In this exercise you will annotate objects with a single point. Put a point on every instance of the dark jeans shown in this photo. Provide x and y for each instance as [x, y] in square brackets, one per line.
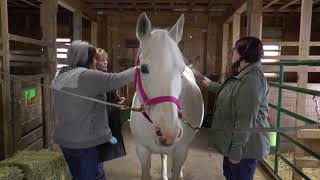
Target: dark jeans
[242, 171]
[83, 163]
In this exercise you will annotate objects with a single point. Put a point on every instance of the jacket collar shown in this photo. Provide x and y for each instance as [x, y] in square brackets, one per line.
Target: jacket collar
[247, 69]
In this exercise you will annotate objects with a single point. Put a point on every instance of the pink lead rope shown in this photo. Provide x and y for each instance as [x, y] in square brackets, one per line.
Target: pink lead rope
[145, 98]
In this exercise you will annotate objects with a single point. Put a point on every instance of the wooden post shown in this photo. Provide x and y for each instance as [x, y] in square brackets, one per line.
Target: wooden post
[225, 52]
[304, 47]
[236, 28]
[48, 17]
[6, 136]
[212, 43]
[254, 18]
[77, 25]
[94, 34]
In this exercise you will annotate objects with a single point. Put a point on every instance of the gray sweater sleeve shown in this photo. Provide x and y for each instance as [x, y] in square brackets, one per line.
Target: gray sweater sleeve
[96, 82]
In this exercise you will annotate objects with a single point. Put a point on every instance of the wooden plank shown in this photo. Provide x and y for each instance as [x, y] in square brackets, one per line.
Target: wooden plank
[26, 52]
[254, 18]
[236, 28]
[238, 6]
[289, 4]
[30, 3]
[1, 53]
[307, 162]
[94, 34]
[28, 40]
[293, 57]
[30, 138]
[26, 58]
[291, 69]
[270, 4]
[6, 124]
[302, 79]
[281, 43]
[30, 125]
[36, 145]
[48, 15]
[77, 26]
[212, 44]
[225, 52]
[76, 5]
[309, 134]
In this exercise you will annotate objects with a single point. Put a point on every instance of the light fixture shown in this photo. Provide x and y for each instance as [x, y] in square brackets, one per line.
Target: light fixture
[62, 56]
[190, 37]
[62, 50]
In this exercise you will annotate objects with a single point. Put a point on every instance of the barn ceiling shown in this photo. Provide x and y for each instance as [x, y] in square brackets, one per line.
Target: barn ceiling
[213, 7]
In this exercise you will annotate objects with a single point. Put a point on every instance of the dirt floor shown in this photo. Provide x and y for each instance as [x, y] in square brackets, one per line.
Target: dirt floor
[200, 165]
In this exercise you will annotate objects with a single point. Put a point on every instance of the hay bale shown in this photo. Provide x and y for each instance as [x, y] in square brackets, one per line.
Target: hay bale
[41, 165]
[10, 172]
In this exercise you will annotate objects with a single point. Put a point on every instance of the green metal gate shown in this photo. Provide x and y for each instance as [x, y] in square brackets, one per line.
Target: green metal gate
[281, 110]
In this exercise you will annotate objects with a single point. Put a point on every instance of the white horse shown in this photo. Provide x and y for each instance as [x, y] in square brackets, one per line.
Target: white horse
[164, 74]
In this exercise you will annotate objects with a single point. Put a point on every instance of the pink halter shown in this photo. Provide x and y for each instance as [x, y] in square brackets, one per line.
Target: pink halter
[145, 98]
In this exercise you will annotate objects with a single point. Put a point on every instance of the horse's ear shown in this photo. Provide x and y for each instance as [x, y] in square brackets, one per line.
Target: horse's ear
[177, 30]
[143, 29]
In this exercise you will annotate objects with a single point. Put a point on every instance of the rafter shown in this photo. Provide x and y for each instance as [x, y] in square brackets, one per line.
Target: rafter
[270, 4]
[30, 3]
[211, 3]
[314, 2]
[289, 4]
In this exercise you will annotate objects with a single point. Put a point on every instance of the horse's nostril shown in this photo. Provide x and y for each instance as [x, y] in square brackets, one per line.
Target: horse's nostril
[158, 132]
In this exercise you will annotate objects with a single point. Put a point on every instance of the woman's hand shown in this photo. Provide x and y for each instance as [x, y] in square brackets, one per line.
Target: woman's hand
[121, 100]
[234, 161]
[205, 82]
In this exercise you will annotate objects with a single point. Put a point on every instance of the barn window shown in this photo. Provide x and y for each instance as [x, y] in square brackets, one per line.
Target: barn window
[62, 50]
[271, 50]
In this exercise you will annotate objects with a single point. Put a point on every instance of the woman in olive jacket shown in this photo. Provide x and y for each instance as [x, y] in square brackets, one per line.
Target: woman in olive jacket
[242, 103]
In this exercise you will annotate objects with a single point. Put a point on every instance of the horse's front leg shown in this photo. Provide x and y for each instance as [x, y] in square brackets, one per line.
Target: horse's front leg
[144, 156]
[179, 158]
[164, 162]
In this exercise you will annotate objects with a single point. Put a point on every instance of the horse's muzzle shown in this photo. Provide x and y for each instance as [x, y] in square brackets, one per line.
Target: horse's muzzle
[167, 140]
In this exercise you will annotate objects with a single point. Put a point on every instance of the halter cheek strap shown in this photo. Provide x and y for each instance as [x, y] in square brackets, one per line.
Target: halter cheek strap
[145, 99]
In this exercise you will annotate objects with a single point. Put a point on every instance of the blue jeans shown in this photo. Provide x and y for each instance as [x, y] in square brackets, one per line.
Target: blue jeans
[83, 163]
[243, 171]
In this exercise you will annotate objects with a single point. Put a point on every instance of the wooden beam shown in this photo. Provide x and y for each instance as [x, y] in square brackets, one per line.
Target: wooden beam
[291, 68]
[25, 58]
[28, 40]
[270, 4]
[292, 57]
[211, 3]
[30, 3]
[289, 4]
[304, 48]
[238, 6]
[212, 43]
[314, 2]
[48, 16]
[236, 28]
[254, 18]
[225, 52]
[6, 141]
[77, 26]
[309, 134]
[76, 5]
[289, 43]
[94, 34]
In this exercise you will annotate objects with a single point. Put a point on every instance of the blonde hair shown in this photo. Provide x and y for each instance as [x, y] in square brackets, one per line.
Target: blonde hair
[101, 53]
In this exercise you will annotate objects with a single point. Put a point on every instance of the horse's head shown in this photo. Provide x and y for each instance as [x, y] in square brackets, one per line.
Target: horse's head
[162, 66]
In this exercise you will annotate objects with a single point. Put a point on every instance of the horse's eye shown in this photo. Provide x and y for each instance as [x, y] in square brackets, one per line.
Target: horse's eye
[144, 69]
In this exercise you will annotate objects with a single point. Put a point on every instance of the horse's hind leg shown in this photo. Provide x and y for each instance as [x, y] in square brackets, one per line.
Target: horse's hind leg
[144, 156]
[179, 158]
[164, 172]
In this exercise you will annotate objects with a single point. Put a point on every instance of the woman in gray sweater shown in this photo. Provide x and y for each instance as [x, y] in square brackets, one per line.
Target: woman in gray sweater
[82, 125]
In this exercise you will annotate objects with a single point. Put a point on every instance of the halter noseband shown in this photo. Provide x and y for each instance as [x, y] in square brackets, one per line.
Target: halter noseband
[150, 101]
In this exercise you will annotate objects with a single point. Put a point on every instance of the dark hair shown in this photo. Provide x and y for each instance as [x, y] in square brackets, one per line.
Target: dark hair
[250, 49]
[91, 54]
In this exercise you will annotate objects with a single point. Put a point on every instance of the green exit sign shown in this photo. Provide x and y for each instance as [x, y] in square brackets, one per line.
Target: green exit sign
[29, 96]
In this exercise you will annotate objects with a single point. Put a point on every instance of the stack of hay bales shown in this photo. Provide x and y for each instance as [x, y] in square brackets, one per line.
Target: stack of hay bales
[11, 173]
[40, 165]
